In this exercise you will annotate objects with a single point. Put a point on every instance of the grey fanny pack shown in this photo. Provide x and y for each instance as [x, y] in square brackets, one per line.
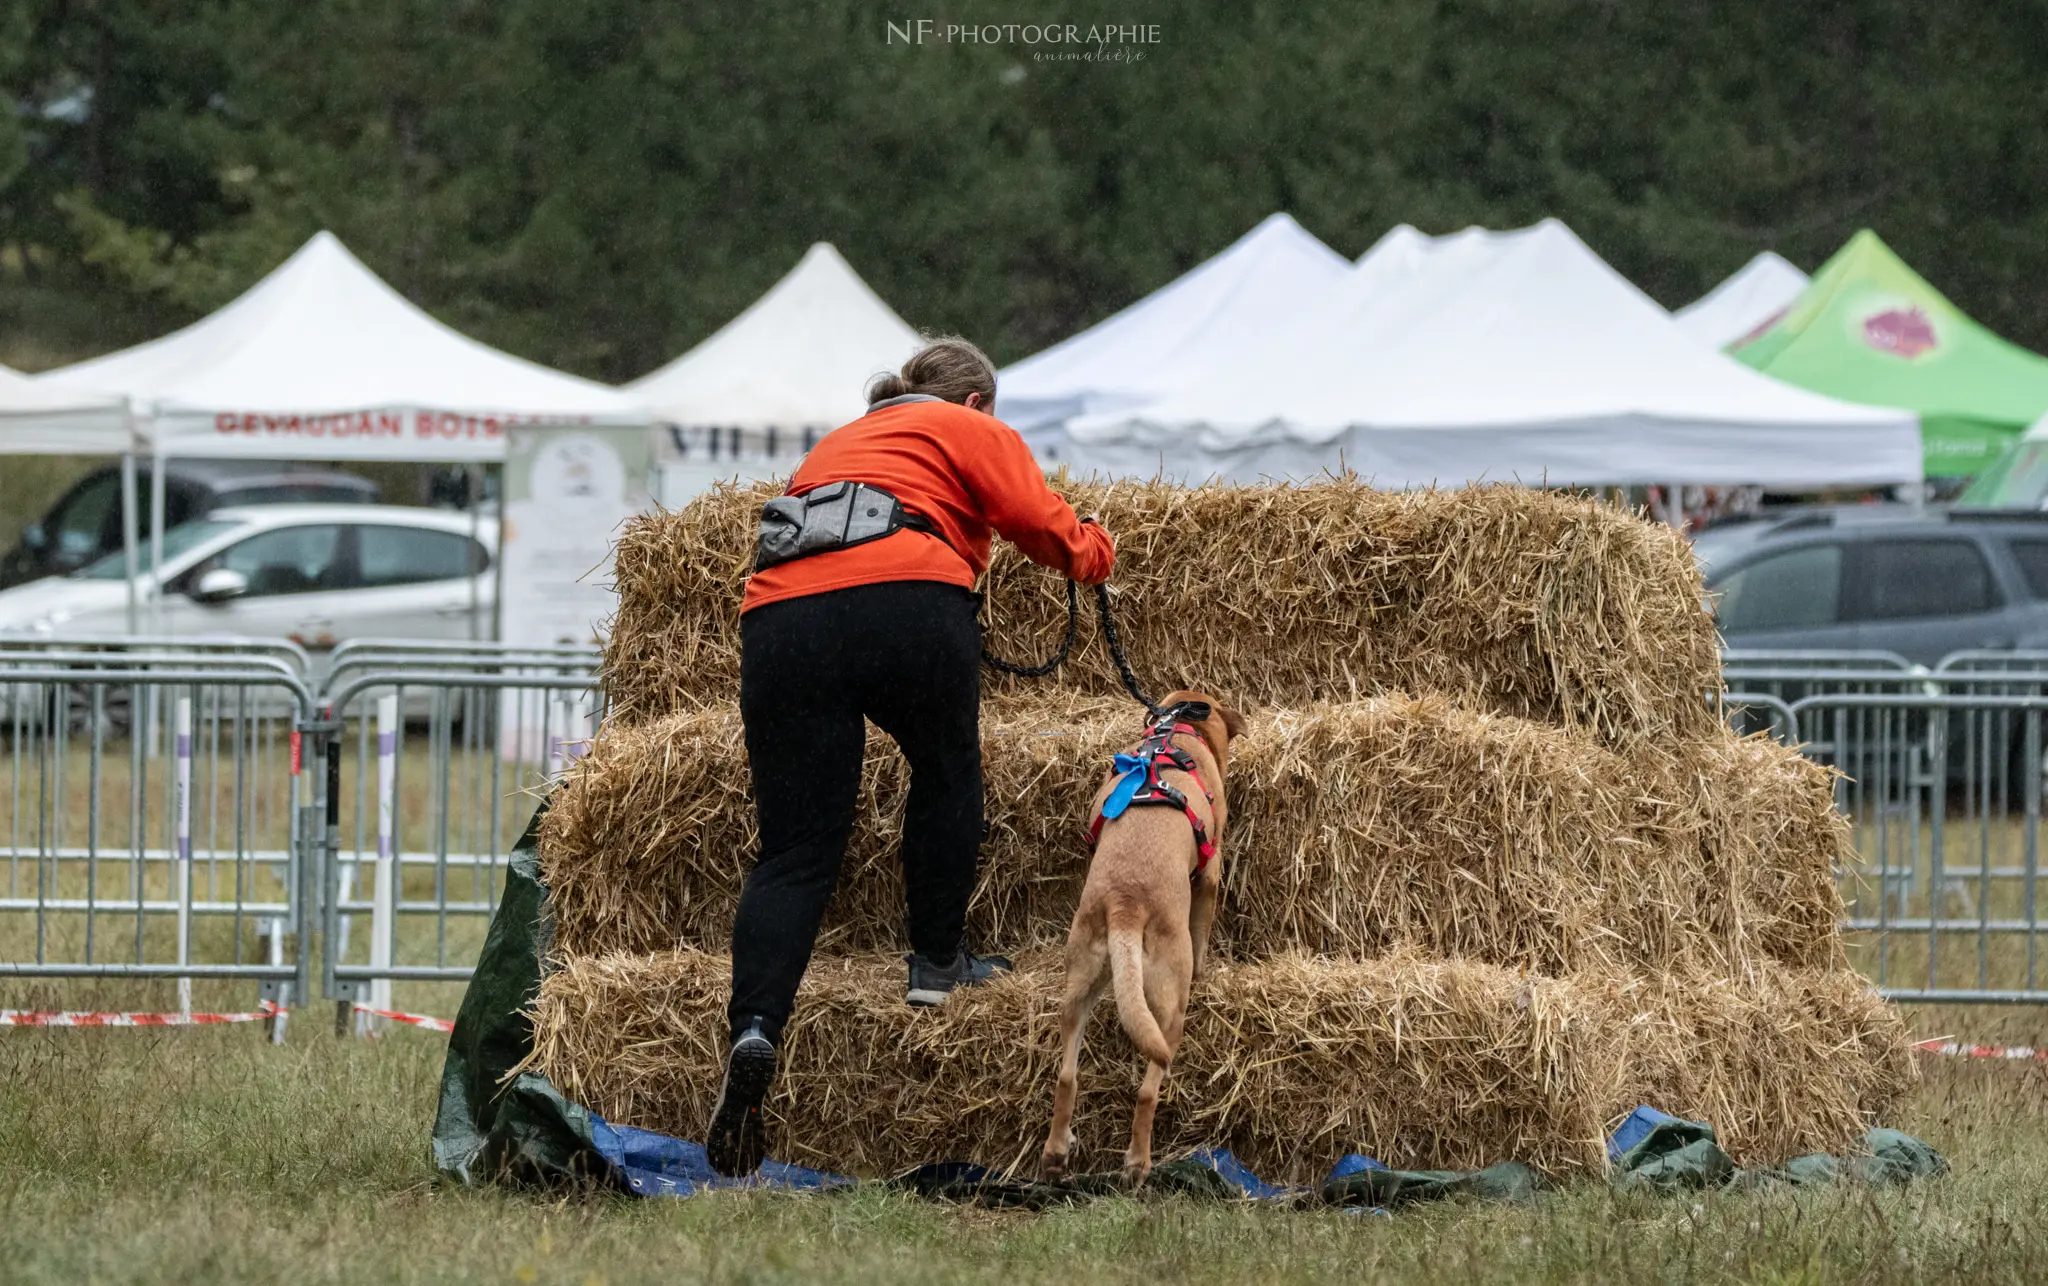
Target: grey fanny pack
[838, 515]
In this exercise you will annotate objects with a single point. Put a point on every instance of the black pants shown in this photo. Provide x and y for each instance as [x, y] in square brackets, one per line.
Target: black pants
[906, 654]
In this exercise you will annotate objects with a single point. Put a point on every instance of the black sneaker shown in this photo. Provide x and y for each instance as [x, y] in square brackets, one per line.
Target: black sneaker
[736, 1141]
[930, 983]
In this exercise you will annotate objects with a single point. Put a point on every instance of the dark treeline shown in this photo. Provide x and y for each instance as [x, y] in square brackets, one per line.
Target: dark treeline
[600, 183]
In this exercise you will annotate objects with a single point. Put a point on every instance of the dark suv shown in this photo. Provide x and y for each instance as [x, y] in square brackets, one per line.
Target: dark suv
[86, 524]
[1921, 584]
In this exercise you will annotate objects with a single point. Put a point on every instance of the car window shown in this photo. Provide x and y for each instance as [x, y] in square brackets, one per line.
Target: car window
[86, 518]
[1789, 590]
[1717, 545]
[295, 493]
[1905, 579]
[177, 540]
[287, 560]
[409, 555]
[2032, 556]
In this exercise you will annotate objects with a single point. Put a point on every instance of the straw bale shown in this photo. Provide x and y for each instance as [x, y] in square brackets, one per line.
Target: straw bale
[1781, 1061]
[1355, 828]
[646, 845]
[1289, 1062]
[1536, 604]
[1773, 842]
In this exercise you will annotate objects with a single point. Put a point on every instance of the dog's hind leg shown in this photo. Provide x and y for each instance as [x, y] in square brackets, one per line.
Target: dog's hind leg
[1138, 1158]
[1202, 916]
[1087, 979]
[1168, 969]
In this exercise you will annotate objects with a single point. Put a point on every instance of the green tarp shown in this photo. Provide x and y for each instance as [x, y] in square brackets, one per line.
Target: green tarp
[1869, 329]
[1684, 1155]
[486, 1131]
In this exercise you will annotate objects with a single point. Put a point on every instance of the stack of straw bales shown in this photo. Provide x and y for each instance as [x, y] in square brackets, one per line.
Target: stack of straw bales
[1496, 873]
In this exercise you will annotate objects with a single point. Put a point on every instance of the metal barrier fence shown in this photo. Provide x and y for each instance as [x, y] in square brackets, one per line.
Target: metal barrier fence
[1941, 778]
[429, 774]
[152, 823]
[209, 815]
[1942, 790]
[215, 812]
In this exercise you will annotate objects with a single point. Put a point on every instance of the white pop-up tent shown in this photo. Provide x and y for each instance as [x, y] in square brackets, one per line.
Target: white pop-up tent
[39, 417]
[1404, 253]
[1747, 301]
[322, 360]
[1513, 356]
[749, 400]
[1167, 338]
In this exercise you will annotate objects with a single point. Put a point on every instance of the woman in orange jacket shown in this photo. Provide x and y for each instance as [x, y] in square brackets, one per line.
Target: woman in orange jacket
[862, 608]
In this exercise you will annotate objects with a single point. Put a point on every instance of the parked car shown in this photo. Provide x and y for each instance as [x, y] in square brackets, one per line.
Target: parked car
[1922, 585]
[1720, 542]
[85, 525]
[318, 574]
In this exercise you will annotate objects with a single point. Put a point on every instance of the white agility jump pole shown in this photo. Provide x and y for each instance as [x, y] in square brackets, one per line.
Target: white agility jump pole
[181, 728]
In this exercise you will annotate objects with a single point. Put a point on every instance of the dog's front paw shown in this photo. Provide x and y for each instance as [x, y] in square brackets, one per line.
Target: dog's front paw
[1136, 1172]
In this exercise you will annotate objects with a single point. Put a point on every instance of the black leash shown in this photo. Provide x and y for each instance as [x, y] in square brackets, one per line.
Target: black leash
[995, 662]
[1109, 636]
[1116, 650]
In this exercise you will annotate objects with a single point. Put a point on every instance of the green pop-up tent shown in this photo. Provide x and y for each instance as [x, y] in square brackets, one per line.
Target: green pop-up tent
[1870, 329]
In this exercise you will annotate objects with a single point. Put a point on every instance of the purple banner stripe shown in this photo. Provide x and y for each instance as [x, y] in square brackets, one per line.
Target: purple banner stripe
[387, 743]
[184, 750]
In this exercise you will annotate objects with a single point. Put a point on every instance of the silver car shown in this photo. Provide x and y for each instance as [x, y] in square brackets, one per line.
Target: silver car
[316, 574]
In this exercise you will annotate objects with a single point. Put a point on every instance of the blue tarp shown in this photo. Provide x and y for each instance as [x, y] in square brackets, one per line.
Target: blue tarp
[1634, 1129]
[655, 1165]
[1648, 1149]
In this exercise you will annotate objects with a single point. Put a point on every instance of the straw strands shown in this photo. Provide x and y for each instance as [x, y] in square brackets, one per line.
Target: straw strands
[1772, 837]
[1289, 1061]
[1549, 607]
[1355, 828]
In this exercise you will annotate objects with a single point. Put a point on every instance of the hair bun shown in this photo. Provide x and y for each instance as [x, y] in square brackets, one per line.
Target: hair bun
[884, 387]
[947, 367]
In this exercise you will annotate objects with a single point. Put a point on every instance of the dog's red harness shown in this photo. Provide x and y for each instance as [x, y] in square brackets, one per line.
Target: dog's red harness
[1141, 785]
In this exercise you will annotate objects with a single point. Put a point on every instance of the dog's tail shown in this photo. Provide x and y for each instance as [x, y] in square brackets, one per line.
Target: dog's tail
[1127, 978]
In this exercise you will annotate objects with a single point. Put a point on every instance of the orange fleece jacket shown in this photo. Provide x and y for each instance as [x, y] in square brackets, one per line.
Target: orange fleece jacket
[965, 471]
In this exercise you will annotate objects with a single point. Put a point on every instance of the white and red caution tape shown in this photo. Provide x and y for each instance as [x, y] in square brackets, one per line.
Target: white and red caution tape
[1956, 1049]
[88, 1018]
[425, 1021]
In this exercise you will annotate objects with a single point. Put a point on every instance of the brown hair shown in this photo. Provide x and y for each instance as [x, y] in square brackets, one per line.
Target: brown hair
[947, 367]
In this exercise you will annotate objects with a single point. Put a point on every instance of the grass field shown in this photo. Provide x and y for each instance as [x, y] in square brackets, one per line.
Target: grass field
[207, 1156]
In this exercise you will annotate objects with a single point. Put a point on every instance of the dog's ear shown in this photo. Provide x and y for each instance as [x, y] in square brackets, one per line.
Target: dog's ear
[1233, 722]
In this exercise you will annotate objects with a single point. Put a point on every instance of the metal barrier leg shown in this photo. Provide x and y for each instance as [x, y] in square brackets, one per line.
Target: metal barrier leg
[182, 869]
[383, 893]
[330, 884]
[278, 994]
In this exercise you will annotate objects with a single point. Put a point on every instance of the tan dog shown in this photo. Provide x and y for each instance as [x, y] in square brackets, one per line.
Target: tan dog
[1142, 928]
